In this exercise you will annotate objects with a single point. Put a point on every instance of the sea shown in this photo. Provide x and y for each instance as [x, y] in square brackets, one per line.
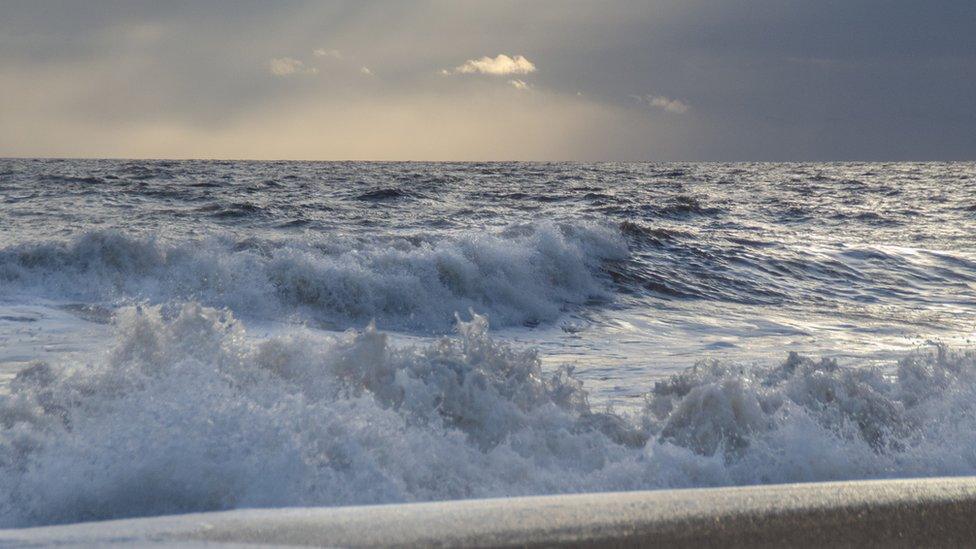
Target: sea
[181, 336]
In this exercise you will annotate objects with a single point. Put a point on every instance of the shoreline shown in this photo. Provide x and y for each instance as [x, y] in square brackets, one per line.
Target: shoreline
[900, 512]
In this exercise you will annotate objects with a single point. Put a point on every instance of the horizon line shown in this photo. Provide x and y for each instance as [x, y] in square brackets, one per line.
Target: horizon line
[493, 161]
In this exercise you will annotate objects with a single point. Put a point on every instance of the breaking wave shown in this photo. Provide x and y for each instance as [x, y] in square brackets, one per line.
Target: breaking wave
[187, 412]
[524, 274]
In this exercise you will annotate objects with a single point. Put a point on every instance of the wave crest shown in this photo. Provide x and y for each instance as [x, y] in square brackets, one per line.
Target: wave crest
[524, 274]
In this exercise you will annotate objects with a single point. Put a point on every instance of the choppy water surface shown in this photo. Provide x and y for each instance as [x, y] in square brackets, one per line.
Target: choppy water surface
[181, 336]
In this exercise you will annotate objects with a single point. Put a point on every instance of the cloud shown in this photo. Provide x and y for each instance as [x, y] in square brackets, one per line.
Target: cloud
[519, 84]
[322, 52]
[676, 106]
[499, 65]
[288, 66]
[365, 71]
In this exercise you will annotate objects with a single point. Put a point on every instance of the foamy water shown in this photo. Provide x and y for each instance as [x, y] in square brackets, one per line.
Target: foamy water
[188, 336]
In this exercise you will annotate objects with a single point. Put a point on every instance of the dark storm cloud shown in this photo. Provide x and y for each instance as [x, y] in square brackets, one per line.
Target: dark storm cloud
[744, 80]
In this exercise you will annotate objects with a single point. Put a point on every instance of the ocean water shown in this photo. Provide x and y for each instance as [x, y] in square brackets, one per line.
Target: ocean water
[204, 335]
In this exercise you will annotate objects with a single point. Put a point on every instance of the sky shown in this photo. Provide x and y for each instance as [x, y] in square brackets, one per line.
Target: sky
[489, 80]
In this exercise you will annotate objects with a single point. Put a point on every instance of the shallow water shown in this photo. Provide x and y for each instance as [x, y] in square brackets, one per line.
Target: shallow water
[180, 336]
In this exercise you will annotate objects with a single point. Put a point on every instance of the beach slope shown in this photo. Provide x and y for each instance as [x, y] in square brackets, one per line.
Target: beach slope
[910, 512]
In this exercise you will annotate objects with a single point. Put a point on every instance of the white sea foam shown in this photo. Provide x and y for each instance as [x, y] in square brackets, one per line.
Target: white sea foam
[188, 412]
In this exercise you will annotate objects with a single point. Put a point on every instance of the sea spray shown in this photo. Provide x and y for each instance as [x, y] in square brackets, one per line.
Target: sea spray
[189, 412]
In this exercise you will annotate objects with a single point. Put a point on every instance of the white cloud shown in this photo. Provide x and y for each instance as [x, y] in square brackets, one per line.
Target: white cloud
[288, 66]
[322, 52]
[499, 65]
[365, 71]
[676, 106]
[519, 84]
